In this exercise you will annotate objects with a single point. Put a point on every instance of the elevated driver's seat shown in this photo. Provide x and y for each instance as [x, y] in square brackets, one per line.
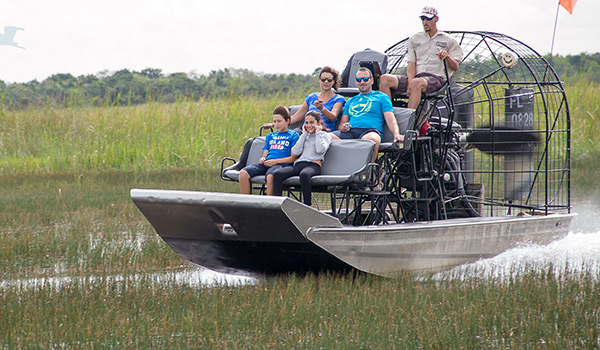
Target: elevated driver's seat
[374, 60]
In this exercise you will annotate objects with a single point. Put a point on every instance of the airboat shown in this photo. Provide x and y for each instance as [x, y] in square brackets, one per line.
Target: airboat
[490, 172]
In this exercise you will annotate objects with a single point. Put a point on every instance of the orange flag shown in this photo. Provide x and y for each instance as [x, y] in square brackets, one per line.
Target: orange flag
[568, 5]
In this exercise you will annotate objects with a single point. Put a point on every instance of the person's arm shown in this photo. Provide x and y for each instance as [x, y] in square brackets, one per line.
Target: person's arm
[451, 63]
[333, 114]
[392, 124]
[323, 140]
[299, 146]
[264, 157]
[411, 71]
[286, 160]
[293, 139]
[300, 113]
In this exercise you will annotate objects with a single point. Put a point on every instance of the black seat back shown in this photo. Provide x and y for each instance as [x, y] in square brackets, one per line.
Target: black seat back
[366, 58]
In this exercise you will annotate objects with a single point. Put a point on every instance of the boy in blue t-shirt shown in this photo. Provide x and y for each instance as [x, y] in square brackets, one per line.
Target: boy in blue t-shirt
[277, 152]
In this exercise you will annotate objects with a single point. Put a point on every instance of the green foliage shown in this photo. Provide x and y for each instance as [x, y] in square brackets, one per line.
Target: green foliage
[189, 133]
[572, 68]
[193, 134]
[126, 87]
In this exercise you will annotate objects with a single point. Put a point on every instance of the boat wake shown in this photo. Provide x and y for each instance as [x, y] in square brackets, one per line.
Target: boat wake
[196, 278]
[578, 253]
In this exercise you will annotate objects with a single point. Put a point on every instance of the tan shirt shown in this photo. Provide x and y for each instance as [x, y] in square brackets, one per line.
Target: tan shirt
[422, 50]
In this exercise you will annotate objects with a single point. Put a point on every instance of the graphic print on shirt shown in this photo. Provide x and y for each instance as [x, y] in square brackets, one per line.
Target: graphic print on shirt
[360, 107]
[279, 142]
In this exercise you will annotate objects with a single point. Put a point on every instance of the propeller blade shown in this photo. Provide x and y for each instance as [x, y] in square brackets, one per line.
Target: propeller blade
[503, 140]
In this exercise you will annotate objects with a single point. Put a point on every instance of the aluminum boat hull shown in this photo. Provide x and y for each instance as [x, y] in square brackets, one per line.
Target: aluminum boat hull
[263, 235]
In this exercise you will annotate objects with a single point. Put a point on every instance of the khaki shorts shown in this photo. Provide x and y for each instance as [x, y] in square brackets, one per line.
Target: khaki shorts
[434, 83]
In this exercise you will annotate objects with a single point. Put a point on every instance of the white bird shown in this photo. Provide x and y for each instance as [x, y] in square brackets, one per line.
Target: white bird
[8, 36]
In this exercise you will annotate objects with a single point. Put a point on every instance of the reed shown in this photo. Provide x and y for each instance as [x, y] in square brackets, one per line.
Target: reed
[584, 106]
[345, 312]
[193, 134]
[83, 269]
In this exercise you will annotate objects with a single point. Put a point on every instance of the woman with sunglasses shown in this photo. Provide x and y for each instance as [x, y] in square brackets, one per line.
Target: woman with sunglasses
[327, 102]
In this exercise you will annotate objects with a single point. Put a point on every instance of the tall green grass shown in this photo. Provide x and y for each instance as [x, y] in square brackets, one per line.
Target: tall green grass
[584, 105]
[193, 134]
[541, 311]
[186, 134]
[74, 225]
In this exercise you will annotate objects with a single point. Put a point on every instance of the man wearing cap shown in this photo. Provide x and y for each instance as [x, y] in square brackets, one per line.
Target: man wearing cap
[427, 52]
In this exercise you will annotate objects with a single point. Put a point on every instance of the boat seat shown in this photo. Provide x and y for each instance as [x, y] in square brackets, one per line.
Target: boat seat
[403, 118]
[346, 162]
[251, 153]
[296, 126]
[376, 61]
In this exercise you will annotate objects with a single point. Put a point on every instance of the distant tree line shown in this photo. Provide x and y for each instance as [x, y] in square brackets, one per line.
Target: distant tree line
[576, 67]
[125, 87]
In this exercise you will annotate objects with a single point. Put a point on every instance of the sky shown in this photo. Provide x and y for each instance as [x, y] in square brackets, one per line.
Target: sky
[265, 36]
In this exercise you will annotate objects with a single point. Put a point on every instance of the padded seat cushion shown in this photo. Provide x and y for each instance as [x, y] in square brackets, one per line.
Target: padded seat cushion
[345, 162]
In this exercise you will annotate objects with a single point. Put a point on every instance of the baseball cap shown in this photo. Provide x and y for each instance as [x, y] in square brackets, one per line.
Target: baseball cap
[428, 11]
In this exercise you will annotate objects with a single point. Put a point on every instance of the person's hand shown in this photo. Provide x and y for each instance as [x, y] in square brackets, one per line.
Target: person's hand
[270, 162]
[399, 138]
[261, 160]
[319, 105]
[305, 129]
[318, 128]
[442, 54]
[268, 126]
[345, 127]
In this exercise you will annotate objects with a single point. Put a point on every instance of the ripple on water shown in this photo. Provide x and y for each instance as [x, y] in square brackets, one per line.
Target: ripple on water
[576, 253]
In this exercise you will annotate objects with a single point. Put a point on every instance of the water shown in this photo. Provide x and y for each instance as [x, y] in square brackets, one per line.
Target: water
[195, 277]
[577, 253]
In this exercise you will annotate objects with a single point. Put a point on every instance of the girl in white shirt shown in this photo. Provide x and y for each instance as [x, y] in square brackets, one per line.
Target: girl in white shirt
[310, 150]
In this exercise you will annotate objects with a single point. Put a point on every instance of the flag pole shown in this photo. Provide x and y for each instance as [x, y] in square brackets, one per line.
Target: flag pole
[554, 33]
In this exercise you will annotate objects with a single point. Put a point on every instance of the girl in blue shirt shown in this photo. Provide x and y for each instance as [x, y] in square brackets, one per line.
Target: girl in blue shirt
[277, 152]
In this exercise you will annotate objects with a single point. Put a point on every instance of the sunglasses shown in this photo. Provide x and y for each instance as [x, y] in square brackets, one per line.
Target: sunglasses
[365, 79]
[329, 80]
[423, 18]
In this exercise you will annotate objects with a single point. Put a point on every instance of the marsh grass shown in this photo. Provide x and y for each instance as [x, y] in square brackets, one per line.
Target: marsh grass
[84, 223]
[540, 311]
[584, 105]
[192, 134]
[92, 236]
[65, 212]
